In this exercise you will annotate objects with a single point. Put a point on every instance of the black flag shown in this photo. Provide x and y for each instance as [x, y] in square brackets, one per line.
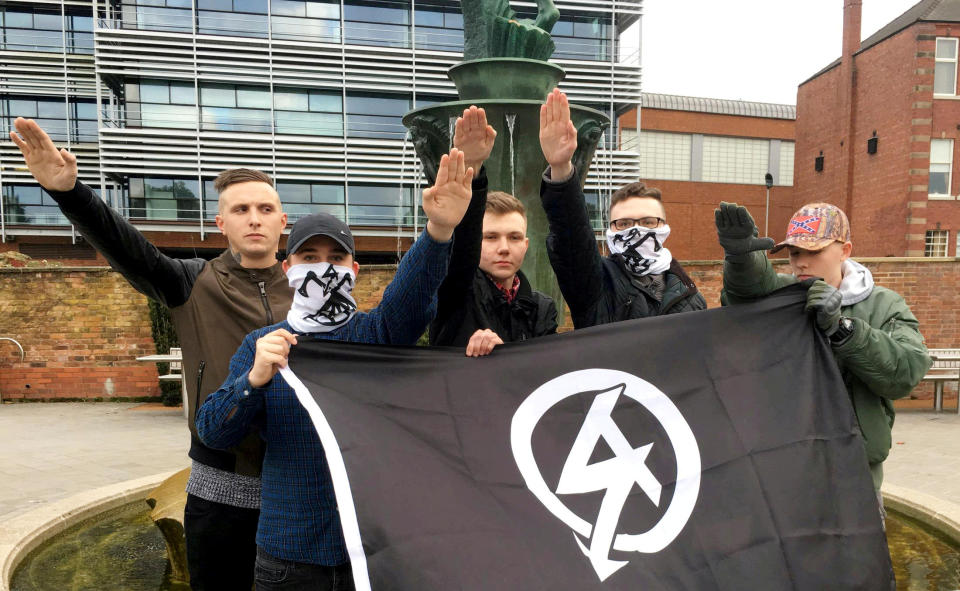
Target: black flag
[700, 451]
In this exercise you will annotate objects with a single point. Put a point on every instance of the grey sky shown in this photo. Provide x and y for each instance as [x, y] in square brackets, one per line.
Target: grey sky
[755, 50]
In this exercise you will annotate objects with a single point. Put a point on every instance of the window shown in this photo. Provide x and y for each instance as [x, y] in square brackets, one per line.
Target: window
[581, 37]
[308, 112]
[941, 163]
[787, 154]
[307, 21]
[381, 205]
[301, 199]
[161, 103]
[439, 28]
[935, 244]
[36, 29]
[164, 199]
[384, 23]
[78, 118]
[228, 107]
[241, 18]
[945, 73]
[376, 116]
[664, 155]
[29, 204]
[735, 160]
[158, 15]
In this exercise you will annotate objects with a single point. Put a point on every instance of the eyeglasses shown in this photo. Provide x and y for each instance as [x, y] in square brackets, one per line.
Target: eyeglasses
[649, 222]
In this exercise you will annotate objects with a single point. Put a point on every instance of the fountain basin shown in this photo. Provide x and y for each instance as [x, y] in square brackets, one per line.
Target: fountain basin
[22, 534]
[517, 78]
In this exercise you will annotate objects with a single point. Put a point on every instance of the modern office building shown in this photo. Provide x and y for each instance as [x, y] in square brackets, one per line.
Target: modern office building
[156, 97]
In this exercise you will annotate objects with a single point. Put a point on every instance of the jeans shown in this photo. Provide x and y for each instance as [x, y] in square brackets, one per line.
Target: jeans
[221, 545]
[276, 574]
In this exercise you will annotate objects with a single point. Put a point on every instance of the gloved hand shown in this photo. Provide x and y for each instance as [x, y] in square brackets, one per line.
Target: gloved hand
[736, 231]
[824, 301]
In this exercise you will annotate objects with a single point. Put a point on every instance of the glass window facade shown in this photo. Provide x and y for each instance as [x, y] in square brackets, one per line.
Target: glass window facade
[384, 23]
[308, 112]
[305, 21]
[376, 116]
[157, 198]
[24, 28]
[239, 18]
[380, 205]
[301, 198]
[29, 204]
[161, 103]
[439, 28]
[52, 115]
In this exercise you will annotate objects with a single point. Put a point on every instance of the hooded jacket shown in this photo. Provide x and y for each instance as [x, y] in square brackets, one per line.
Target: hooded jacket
[883, 360]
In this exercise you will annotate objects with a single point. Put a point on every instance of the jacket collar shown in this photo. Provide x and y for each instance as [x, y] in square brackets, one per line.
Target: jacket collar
[228, 263]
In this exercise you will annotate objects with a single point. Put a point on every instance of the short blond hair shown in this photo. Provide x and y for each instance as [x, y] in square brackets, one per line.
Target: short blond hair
[502, 203]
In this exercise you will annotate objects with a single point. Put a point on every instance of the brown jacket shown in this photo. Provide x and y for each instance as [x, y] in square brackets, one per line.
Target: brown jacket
[214, 306]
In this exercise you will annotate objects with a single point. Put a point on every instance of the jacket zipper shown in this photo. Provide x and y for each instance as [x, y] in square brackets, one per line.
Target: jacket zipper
[266, 303]
[196, 403]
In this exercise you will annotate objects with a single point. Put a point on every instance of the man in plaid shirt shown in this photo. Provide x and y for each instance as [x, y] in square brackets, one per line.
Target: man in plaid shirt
[299, 538]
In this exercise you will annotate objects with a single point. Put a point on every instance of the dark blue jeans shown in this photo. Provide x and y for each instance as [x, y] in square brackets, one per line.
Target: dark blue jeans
[276, 574]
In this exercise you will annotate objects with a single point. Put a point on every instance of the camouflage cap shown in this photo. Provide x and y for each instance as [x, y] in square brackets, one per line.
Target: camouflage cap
[816, 226]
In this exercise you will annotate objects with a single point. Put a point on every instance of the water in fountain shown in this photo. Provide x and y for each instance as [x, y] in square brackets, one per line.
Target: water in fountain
[511, 122]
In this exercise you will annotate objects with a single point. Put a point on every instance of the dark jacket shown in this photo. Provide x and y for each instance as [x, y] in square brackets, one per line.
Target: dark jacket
[600, 289]
[213, 305]
[468, 300]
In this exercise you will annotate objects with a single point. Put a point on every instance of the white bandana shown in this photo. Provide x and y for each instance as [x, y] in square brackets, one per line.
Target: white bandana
[642, 249]
[321, 300]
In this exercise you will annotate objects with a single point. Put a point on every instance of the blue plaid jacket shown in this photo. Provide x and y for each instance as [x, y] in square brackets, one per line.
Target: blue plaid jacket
[298, 512]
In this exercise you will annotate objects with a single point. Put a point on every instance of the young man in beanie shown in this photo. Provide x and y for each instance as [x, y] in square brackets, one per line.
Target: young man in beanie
[640, 278]
[486, 299]
[873, 334]
[299, 539]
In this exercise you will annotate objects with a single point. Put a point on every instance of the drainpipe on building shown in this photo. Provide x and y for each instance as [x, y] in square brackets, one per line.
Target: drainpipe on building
[852, 13]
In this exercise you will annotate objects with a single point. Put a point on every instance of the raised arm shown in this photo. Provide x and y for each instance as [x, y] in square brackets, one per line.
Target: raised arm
[409, 302]
[571, 243]
[747, 272]
[475, 138]
[152, 273]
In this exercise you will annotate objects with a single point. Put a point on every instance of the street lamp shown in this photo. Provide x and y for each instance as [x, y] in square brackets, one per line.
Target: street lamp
[768, 180]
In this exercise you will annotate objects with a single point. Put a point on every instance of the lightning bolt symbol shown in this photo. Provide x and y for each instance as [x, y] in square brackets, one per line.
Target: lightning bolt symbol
[615, 475]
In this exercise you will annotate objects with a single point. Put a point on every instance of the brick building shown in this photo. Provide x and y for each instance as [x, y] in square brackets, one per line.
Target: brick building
[876, 131]
[700, 151]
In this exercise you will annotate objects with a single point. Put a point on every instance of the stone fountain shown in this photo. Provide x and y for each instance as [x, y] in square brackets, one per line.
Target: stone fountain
[505, 71]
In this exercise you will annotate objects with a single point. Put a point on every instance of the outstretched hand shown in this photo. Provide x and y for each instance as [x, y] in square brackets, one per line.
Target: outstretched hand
[736, 231]
[558, 136]
[446, 201]
[474, 137]
[55, 170]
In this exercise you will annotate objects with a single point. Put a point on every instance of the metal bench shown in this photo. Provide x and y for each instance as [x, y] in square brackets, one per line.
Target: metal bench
[946, 368]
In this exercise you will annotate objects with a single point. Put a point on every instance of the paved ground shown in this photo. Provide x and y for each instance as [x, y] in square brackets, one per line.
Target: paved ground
[926, 454]
[51, 451]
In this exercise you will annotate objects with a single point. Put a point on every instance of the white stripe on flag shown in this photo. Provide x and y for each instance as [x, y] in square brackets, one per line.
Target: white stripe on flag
[341, 482]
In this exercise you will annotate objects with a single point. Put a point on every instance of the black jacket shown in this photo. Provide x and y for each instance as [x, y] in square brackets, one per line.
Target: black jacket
[214, 305]
[468, 300]
[598, 289]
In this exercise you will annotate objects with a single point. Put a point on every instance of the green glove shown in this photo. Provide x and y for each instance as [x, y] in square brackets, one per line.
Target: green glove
[736, 231]
[824, 301]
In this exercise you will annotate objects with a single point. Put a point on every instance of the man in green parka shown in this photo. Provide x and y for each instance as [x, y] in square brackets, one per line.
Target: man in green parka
[874, 336]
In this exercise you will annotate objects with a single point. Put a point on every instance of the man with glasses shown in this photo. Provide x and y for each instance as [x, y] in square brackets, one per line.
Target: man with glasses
[640, 278]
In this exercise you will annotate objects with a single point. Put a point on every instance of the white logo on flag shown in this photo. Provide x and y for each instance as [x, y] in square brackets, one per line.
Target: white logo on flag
[616, 475]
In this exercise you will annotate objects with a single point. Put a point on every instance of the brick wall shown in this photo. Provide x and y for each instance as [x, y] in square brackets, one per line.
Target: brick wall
[82, 328]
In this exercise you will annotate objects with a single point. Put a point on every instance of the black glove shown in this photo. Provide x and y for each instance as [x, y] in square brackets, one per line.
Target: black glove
[824, 301]
[736, 231]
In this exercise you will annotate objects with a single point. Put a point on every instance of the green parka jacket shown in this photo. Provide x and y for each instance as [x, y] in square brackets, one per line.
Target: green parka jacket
[884, 358]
